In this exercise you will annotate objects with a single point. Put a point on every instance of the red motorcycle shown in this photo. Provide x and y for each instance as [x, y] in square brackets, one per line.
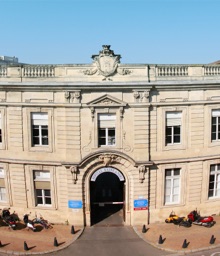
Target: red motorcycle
[8, 218]
[195, 218]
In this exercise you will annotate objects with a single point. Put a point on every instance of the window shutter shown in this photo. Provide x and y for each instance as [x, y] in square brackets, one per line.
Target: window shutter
[0, 120]
[106, 121]
[39, 118]
[2, 183]
[42, 185]
[216, 112]
[173, 118]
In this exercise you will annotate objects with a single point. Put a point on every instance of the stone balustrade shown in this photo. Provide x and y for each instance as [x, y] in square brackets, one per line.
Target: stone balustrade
[163, 71]
[3, 71]
[38, 71]
[62, 72]
[211, 70]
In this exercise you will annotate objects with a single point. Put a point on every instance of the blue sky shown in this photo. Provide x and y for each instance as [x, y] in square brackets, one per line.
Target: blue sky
[141, 31]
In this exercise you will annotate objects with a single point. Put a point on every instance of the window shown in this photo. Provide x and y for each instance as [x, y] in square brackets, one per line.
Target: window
[39, 129]
[106, 129]
[2, 186]
[215, 125]
[172, 186]
[2, 194]
[42, 188]
[173, 128]
[214, 181]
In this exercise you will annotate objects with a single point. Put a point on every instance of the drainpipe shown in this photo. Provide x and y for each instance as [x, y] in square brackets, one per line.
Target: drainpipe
[149, 156]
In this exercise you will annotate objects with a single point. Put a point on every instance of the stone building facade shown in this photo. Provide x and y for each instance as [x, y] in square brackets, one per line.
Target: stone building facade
[76, 138]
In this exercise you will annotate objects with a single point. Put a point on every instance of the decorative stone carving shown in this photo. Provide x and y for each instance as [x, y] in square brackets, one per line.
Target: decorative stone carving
[123, 71]
[141, 96]
[136, 95]
[74, 172]
[106, 64]
[121, 109]
[108, 159]
[142, 171]
[92, 112]
[126, 147]
[67, 95]
[76, 96]
[87, 148]
[72, 96]
[145, 96]
[106, 102]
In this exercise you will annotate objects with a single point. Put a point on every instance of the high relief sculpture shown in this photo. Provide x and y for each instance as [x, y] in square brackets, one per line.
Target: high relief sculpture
[106, 64]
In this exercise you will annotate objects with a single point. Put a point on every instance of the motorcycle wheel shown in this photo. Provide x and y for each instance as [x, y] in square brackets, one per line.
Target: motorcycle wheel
[208, 225]
[185, 224]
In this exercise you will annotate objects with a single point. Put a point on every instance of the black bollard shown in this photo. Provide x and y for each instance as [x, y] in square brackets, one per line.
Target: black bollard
[144, 230]
[55, 243]
[72, 230]
[212, 240]
[25, 246]
[185, 244]
[160, 241]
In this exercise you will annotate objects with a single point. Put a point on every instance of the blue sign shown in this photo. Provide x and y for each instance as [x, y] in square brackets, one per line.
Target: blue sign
[75, 204]
[140, 203]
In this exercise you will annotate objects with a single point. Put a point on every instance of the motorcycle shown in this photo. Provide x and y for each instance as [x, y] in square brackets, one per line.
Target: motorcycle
[8, 218]
[29, 223]
[196, 219]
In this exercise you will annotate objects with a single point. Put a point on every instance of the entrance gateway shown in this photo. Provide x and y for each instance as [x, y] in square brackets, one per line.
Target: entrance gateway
[107, 197]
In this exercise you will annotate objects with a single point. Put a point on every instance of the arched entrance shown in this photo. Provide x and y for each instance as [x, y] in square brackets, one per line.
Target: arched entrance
[107, 197]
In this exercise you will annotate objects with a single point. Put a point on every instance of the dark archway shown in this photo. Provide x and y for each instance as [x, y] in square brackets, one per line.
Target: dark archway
[107, 197]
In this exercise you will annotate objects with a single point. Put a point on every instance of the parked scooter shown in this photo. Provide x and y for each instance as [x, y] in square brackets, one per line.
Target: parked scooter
[206, 221]
[40, 220]
[8, 218]
[175, 219]
[29, 223]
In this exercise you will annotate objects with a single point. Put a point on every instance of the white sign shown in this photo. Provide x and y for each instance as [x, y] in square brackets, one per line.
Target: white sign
[107, 169]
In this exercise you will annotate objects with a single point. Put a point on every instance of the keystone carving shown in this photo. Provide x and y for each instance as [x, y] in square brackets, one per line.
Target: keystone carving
[108, 159]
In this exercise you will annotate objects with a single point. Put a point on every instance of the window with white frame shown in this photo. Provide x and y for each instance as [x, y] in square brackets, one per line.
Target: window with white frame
[106, 129]
[214, 181]
[39, 129]
[215, 133]
[2, 186]
[172, 186]
[42, 188]
[173, 127]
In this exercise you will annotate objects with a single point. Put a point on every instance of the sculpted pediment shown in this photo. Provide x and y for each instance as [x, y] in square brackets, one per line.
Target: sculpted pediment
[106, 100]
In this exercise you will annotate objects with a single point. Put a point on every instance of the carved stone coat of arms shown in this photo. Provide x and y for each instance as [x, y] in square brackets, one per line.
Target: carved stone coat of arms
[106, 63]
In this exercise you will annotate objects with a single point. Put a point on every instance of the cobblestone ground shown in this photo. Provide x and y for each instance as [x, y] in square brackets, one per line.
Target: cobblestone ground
[173, 235]
[39, 241]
